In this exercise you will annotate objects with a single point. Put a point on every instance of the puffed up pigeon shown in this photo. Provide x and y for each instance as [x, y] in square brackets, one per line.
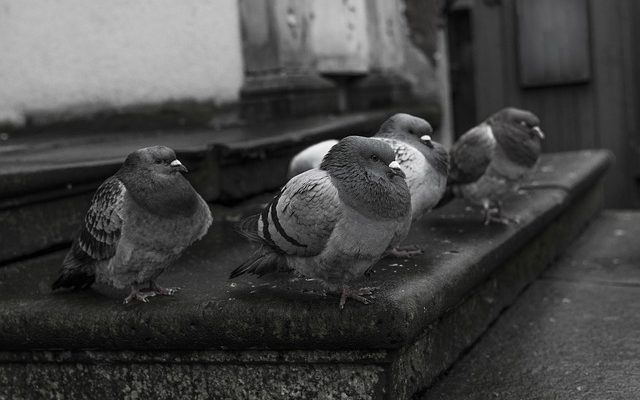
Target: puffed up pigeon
[335, 222]
[424, 161]
[490, 160]
[140, 221]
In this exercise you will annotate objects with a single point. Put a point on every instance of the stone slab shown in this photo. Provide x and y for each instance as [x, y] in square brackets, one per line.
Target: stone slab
[459, 252]
[429, 309]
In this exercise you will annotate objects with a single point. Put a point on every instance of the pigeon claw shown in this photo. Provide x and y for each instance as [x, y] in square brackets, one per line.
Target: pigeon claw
[500, 218]
[137, 294]
[357, 294]
[162, 291]
[494, 214]
[404, 252]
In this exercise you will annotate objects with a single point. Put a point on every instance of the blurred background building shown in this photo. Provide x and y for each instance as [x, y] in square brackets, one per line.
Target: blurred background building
[70, 58]
[162, 63]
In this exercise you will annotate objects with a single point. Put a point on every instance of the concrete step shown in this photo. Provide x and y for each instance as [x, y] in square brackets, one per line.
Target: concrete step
[274, 337]
[572, 334]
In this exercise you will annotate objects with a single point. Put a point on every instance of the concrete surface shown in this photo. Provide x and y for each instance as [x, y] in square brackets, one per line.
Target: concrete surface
[572, 334]
[276, 329]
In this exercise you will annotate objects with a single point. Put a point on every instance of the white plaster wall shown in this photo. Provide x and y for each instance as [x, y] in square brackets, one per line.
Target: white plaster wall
[339, 36]
[388, 33]
[59, 54]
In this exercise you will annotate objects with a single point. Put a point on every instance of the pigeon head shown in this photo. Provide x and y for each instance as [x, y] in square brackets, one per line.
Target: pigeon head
[152, 176]
[525, 120]
[157, 159]
[368, 176]
[372, 156]
[519, 134]
[416, 132]
[407, 128]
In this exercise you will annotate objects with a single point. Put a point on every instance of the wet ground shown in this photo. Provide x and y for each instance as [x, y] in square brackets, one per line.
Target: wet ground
[573, 334]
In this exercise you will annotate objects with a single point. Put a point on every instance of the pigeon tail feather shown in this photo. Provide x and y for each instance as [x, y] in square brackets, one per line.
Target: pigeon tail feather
[75, 274]
[260, 263]
[248, 228]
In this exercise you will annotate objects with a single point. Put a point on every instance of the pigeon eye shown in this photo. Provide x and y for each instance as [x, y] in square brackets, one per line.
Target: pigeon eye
[158, 161]
[375, 157]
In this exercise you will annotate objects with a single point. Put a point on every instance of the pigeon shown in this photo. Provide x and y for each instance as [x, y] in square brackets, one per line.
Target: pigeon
[424, 161]
[334, 222]
[140, 220]
[309, 158]
[490, 160]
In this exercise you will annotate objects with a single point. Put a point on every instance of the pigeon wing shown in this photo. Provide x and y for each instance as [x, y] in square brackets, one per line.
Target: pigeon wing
[472, 154]
[101, 230]
[301, 218]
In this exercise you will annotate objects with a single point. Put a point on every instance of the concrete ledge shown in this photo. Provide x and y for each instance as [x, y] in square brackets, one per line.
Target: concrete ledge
[266, 338]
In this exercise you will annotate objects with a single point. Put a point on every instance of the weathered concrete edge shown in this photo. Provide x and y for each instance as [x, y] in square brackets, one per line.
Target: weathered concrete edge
[392, 374]
[439, 346]
[485, 263]
[402, 318]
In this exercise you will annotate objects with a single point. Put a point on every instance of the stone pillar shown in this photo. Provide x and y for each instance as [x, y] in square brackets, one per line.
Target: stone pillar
[360, 46]
[280, 76]
[340, 44]
[385, 84]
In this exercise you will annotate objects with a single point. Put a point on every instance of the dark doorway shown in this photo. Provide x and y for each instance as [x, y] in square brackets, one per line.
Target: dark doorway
[463, 99]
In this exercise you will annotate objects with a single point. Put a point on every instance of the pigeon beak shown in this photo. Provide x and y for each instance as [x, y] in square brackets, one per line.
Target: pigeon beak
[176, 165]
[426, 139]
[538, 132]
[395, 167]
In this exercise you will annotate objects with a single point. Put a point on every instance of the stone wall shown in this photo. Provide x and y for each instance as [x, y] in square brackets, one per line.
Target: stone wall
[71, 59]
[73, 56]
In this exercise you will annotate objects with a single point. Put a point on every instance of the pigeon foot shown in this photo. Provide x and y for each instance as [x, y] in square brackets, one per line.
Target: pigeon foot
[505, 220]
[357, 294]
[404, 252]
[494, 214]
[162, 291]
[137, 294]
[500, 218]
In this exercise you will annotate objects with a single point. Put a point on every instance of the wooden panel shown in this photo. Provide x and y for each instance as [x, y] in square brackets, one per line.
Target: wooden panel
[602, 113]
[489, 53]
[608, 19]
[553, 42]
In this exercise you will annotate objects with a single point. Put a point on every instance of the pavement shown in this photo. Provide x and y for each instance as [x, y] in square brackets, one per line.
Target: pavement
[572, 334]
